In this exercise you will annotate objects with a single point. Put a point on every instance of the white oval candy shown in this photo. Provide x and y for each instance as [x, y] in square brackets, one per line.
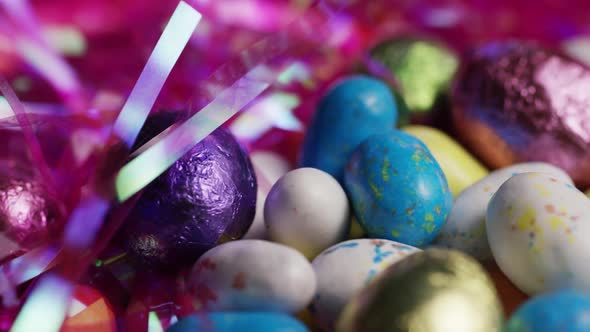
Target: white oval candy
[308, 210]
[538, 228]
[269, 167]
[253, 275]
[465, 228]
[345, 268]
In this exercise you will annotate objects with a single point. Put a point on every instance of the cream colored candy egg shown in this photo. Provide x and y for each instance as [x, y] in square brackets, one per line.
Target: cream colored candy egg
[538, 227]
[269, 167]
[252, 275]
[465, 228]
[345, 268]
[308, 210]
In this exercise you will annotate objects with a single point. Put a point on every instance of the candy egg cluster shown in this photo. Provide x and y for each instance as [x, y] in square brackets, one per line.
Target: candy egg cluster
[318, 170]
[409, 188]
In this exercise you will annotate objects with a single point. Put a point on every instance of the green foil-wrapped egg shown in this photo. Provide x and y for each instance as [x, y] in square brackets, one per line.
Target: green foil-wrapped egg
[424, 69]
[436, 290]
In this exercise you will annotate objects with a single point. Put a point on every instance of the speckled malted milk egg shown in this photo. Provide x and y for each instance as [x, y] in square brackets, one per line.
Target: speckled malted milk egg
[252, 275]
[538, 231]
[268, 167]
[345, 268]
[397, 189]
[465, 228]
[308, 210]
[436, 290]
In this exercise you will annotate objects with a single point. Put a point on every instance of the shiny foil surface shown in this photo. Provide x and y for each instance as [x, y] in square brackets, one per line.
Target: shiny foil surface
[28, 213]
[205, 198]
[424, 69]
[517, 102]
[436, 290]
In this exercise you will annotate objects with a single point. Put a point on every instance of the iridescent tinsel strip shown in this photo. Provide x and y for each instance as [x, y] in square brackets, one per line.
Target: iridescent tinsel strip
[30, 137]
[163, 150]
[156, 71]
[158, 157]
[35, 50]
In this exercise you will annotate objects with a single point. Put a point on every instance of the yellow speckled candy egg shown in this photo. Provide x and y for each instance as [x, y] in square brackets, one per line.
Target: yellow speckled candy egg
[465, 228]
[538, 229]
[437, 290]
[460, 167]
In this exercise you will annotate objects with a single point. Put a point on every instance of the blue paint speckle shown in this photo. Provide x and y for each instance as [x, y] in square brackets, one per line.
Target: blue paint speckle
[343, 245]
[379, 256]
[370, 275]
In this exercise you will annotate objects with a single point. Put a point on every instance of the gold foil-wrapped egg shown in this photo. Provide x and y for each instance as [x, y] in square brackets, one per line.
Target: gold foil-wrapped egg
[436, 290]
[424, 69]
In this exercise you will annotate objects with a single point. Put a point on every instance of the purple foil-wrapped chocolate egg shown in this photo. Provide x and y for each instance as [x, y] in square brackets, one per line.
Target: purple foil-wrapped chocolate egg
[517, 102]
[205, 198]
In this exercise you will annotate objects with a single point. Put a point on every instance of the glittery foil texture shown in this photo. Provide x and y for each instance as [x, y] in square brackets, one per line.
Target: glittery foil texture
[517, 102]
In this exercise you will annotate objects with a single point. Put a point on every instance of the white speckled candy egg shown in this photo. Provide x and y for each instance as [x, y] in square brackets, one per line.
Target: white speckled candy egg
[252, 275]
[345, 268]
[308, 210]
[269, 167]
[538, 228]
[465, 228]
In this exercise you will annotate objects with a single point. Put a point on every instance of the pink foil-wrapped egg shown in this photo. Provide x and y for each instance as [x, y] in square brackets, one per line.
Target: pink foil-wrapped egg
[517, 102]
[30, 212]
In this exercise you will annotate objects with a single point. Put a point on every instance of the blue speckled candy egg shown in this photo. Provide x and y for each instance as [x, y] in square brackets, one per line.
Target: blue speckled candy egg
[353, 110]
[238, 321]
[398, 190]
[565, 310]
[347, 267]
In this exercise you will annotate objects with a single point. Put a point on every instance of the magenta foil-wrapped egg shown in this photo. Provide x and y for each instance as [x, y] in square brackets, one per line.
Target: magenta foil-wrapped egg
[29, 214]
[517, 102]
[205, 198]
